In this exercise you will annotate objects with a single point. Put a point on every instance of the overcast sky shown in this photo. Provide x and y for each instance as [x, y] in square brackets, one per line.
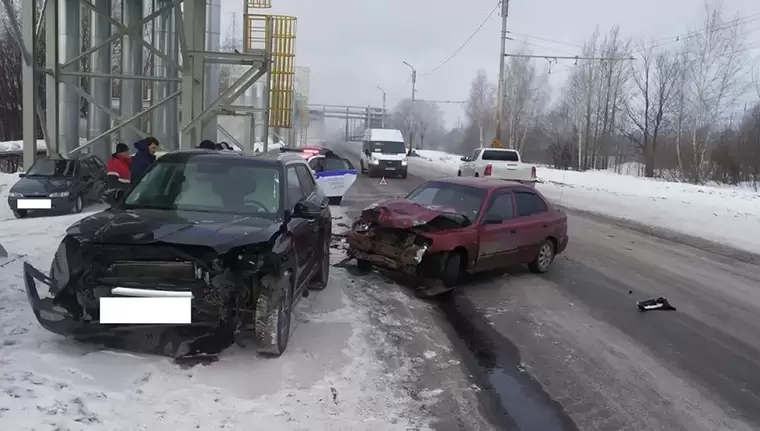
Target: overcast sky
[354, 46]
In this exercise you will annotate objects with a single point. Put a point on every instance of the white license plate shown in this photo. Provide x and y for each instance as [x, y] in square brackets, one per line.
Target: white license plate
[34, 204]
[391, 169]
[145, 311]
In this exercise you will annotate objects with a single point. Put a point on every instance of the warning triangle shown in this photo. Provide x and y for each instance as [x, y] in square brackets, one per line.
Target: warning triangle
[383, 182]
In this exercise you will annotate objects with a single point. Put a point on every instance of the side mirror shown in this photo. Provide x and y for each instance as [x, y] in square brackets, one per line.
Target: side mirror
[306, 210]
[112, 196]
[493, 218]
[465, 159]
[21, 175]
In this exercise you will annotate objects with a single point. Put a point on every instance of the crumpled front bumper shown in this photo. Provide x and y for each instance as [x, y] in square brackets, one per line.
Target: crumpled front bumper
[58, 320]
[399, 257]
[52, 317]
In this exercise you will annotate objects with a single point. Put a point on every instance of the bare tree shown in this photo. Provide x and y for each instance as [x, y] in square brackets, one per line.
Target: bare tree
[481, 104]
[525, 98]
[428, 118]
[655, 81]
[716, 58]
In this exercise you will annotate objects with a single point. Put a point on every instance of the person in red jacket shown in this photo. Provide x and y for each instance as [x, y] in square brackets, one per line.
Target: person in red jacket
[119, 165]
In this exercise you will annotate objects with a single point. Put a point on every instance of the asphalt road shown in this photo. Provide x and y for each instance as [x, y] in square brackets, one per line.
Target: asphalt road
[570, 349]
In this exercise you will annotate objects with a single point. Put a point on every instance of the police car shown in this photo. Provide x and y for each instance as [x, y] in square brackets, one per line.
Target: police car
[334, 174]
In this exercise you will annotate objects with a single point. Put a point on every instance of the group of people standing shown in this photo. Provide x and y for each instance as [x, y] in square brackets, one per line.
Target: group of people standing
[122, 166]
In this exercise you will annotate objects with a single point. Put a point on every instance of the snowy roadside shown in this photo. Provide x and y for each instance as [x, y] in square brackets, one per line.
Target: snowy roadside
[335, 375]
[721, 214]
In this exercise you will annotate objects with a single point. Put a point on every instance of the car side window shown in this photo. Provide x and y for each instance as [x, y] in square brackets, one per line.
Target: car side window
[308, 184]
[84, 168]
[294, 187]
[475, 155]
[317, 164]
[529, 204]
[502, 206]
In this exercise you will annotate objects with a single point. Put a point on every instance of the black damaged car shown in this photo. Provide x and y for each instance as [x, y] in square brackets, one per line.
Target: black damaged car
[243, 235]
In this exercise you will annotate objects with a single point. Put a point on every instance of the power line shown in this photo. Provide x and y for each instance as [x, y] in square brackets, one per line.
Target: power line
[545, 40]
[477, 30]
[686, 36]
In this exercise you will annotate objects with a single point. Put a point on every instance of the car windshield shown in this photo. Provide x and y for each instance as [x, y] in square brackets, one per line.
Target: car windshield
[387, 147]
[53, 168]
[210, 185]
[457, 198]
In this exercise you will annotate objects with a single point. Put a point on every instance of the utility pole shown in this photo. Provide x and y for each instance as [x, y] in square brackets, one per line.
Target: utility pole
[383, 91]
[411, 114]
[502, 78]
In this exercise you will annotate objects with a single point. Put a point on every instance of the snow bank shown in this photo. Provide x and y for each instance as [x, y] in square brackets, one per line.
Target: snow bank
[728, 215]
[9, 146]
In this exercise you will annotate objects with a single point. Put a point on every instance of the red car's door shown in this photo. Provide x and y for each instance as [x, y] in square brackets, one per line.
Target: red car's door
[532, 224]
[498, 240]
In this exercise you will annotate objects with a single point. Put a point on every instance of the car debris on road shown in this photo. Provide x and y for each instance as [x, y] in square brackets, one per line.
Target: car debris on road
[655, 304]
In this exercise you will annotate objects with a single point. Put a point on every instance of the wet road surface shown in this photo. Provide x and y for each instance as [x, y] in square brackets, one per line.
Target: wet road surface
[571, 347]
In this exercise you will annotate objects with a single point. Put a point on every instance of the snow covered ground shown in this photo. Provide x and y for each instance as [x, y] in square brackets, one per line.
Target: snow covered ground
[9, 146]
[720, 214]
[331, 377]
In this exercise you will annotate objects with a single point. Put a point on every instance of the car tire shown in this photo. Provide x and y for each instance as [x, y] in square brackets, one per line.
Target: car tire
[451, 270]
[273, 318]
[476, 175]
[544, 257]
[20, 214]
[403, 176]
[78, 205]
[459, 173]
[322, 277]
[361, 166]
[364, 266]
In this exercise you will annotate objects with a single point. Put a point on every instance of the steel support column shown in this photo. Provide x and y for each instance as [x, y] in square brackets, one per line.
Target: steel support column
[52, 117]
[172, 72]
[69, 41]
[132, 64]
[211, 91]
[158, 91]
[100, 88]
[192, 71]
[29, 83]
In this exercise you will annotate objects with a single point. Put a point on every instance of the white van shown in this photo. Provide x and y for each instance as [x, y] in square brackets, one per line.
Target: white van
[383, 153]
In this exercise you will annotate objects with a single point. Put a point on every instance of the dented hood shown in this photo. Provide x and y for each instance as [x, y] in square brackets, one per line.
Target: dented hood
[144, 226]
[404, 214]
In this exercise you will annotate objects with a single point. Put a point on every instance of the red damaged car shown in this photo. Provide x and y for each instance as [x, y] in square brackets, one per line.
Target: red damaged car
[452, 226]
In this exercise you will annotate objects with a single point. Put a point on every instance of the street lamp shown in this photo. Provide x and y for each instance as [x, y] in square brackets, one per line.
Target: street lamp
[383, 91]
[411, 113]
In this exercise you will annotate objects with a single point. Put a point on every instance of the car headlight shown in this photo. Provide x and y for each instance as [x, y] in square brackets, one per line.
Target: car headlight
[403, 162]
[15, 195]
[59, 195]
[374, 161]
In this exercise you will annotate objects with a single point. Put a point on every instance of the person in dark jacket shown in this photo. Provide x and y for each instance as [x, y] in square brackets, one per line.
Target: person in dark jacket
[207, 145]
[145, 156]
[119, 167]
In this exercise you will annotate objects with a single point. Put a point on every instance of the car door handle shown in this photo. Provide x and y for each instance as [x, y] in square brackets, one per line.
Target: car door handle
[546, 226]
[513, 230]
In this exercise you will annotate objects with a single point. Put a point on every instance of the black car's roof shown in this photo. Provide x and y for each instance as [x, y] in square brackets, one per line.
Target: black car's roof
[272, 157]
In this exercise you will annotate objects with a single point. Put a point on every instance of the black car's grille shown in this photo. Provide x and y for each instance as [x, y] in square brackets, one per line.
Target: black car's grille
[35, 195]
[154, 266]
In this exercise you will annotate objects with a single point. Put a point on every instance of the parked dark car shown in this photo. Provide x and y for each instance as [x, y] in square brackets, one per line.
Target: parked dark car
[452, 226]
[244, 235]
[58, 185]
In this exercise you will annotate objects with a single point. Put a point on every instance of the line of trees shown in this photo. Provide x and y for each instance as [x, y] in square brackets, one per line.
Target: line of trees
[687, 110]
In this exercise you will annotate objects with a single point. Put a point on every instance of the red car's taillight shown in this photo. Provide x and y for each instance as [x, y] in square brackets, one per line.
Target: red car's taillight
[487, 171]
[533, 172]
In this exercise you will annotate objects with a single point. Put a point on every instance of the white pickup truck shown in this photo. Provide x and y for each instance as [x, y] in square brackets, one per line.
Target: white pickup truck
[501, 163]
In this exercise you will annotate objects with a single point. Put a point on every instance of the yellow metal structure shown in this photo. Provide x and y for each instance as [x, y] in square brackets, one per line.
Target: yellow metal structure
[257, 4]
[282, 72]
[256, 29]
[496, 143]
